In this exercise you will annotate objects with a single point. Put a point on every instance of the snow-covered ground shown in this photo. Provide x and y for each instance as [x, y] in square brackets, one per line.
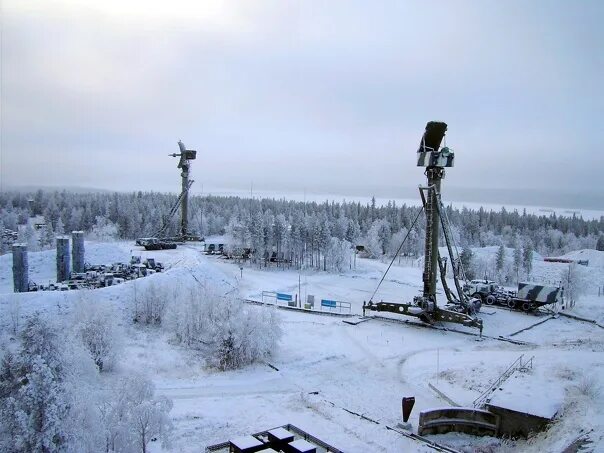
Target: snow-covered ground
[327, 368]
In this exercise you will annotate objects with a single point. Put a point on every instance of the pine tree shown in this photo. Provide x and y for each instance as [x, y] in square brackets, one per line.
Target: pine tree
[517, 257]
[60, 228]
[466, 261]
[47, 237]
[324, 238]
[600, 244]
[527, 257]
[500, 260]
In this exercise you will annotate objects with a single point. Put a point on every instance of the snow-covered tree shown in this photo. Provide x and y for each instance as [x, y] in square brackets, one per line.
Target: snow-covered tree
[14, 313]
[527, 257]
[230, 333]
[324, 238]
[339, 254]
[95, 324]
[30, 237]
[500, 258]
[132, 416]
[150, 302]
[60, 228]
[41, 388]
[466, 258]
[517, 258]
[47, 237]
[353, 231]
[575, 282]
[238, 334]
[103, 230]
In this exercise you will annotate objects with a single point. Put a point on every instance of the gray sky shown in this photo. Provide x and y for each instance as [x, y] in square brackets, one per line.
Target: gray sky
[328, 96]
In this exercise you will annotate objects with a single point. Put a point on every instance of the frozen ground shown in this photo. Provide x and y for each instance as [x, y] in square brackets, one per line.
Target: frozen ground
[327, 368]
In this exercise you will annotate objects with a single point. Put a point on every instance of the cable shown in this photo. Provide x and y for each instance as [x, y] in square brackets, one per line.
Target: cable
[397, 252]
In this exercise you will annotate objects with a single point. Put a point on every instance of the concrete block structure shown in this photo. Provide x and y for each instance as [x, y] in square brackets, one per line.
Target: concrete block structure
[20, 268]
[77, 251]
[63, 263]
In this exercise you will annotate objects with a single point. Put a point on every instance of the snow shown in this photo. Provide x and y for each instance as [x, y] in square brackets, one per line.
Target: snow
[595, 257]
[280, 433]
[246, 442]
[301, 445]
[325, 368]
[523, 392]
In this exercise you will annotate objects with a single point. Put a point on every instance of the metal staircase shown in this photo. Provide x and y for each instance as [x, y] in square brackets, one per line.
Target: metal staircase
[517, 365]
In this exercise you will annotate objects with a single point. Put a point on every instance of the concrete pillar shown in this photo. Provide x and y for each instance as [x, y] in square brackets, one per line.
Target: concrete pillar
[20, 268]
[77, 251]
[63, 272]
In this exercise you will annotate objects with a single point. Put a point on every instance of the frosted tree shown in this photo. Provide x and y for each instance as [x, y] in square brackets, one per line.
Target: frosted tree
[95, 324]
[132, 416]
[500, 260]
[353, 231]
[373, 240]
[103, 230]
[517, 258]
[60, 228]
[238, 235]
[41, 408]
[47, 238]
[466, 258]
[527, 257]
[237, 335]
[280, 234]
[257, 237]
[339, 254]
[230, 333]
[324, 238]
[395, 242]
[574, 281]
[14, 313]
[150, 302]
[29, 236]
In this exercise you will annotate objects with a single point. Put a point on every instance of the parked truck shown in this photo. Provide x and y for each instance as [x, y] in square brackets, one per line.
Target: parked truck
[528, 297]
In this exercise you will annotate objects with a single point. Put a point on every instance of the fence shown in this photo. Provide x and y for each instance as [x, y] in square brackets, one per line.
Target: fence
[277, 298]
[335, 305]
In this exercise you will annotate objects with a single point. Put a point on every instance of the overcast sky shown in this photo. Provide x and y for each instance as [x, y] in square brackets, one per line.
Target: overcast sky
[324, 96]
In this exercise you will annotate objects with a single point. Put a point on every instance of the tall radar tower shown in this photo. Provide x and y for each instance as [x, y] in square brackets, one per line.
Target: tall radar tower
[459, 308]
[186, 156]
[435, 159]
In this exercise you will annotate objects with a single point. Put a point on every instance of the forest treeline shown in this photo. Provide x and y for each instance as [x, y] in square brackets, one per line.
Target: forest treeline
[311, 234]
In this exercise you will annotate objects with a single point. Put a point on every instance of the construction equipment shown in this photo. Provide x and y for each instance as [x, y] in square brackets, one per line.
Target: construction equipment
[460, 309]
